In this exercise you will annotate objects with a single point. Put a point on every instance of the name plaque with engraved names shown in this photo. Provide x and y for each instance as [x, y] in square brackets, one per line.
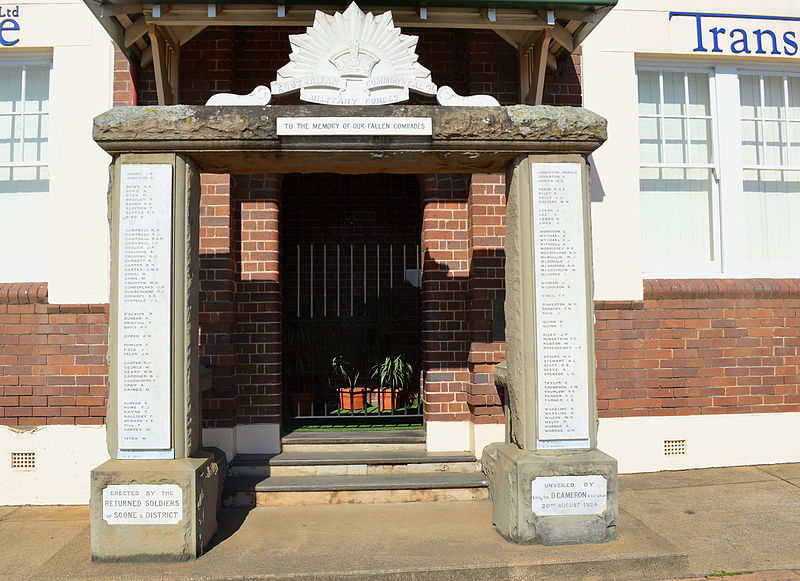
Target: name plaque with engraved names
[143, 370]
[409, 126]
[562, 356]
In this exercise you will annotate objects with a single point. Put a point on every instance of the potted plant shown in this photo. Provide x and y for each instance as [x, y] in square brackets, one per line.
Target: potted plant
[394, 375]
[351, 397]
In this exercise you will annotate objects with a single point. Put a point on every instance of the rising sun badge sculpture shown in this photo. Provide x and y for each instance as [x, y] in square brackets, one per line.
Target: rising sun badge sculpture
[356, 58]
[353, 58]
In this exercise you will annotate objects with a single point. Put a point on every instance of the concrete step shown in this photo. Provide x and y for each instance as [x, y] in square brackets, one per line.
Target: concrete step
[354, 489]
[348, 463]
[356, 441]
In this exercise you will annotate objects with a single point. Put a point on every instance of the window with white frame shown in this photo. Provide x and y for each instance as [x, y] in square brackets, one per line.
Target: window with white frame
[719, 172]
[24, 116]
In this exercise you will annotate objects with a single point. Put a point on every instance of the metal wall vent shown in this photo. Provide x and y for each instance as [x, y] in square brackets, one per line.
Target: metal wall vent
[674, 447]
[23, 460]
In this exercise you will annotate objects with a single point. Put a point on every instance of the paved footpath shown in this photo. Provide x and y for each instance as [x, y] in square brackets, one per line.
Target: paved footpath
[694, 524]
[782, 575]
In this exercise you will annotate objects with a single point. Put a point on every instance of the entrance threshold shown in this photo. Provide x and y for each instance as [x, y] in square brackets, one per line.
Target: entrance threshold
[332, 425]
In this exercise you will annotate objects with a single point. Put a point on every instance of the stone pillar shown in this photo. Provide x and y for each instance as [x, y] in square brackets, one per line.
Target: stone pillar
[549, 484]
[157, 496]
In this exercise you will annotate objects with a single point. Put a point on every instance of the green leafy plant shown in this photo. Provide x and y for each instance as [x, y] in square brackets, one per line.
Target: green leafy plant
[346, 369]
[395, 373]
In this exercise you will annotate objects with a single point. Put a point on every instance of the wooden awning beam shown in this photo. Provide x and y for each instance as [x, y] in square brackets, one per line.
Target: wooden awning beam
[166, 65]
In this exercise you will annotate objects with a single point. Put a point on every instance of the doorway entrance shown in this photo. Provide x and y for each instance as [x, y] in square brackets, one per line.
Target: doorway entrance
[350, 256]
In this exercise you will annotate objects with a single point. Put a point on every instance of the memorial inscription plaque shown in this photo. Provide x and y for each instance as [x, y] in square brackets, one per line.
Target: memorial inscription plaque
[562, 357]
[143, 373]
[354, 126]
[142, 504]
[562, 495]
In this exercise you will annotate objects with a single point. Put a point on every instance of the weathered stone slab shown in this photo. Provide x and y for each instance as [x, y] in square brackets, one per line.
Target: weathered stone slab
[564, 508]
[245, 140]
[177, 524]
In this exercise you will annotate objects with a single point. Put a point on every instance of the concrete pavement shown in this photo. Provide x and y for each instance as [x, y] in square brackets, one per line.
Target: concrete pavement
[672, 525]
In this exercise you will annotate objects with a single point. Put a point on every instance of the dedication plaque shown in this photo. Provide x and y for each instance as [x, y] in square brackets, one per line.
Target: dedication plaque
[142, 504]
[143, 373]
[560, 495]
[562, 356]
[354, 126]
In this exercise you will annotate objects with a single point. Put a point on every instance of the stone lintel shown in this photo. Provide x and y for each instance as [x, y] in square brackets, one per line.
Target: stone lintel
[245, 140]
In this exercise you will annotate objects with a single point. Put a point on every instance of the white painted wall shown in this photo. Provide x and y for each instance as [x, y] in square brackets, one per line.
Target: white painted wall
[244, 439]
[642, 29]
[62, 237]
[65, 455]
[711, 440]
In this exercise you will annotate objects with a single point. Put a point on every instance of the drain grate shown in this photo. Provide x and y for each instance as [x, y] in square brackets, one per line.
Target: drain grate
[674, 447]
[23, 460]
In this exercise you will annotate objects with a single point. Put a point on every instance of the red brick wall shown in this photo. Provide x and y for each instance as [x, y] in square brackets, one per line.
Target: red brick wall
[52, 359]
[486, 219]
[564, 85]
[444, 297]
[218, 350]
[124, 87]
[258, 298]
[700, 347]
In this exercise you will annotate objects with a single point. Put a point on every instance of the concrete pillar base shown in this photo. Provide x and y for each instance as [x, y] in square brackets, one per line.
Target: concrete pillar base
[511, 472]
[137, 521]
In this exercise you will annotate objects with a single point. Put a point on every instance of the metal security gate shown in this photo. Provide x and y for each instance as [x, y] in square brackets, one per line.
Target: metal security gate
[351, 300]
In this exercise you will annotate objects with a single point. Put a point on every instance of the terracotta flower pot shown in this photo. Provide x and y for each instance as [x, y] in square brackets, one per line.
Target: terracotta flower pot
[352, 398]
[388, 399]
[301, 403]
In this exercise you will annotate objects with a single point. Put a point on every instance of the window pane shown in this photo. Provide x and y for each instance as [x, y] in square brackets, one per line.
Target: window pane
[16, 138]
[772, 210]
[794, 144]
[700, 147]
[37, 89]
[6, 137]
[794, 98]
[10, 89]
[17, 180]
[649, 95]
[750, 95]
[35, 137]
[674, 93]
[675, 143]
[775, 138]
[699, 95]
[751, 138]
[650, 140]
[773, 97]
[676, 216]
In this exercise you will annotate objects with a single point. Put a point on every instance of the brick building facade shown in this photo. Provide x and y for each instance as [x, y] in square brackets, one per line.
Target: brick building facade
[682, 347]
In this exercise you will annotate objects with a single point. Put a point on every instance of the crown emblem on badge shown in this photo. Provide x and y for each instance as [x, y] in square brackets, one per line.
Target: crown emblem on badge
[354, 63]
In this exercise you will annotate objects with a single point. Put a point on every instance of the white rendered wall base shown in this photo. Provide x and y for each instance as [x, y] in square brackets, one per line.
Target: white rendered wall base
[448, 436]
[244, 439]
[64, 456]
[462, 436]
[711, 441]
[485, 434]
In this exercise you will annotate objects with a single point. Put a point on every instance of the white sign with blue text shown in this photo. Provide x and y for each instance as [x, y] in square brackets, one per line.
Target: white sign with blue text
[713, 33]
[9, 25]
